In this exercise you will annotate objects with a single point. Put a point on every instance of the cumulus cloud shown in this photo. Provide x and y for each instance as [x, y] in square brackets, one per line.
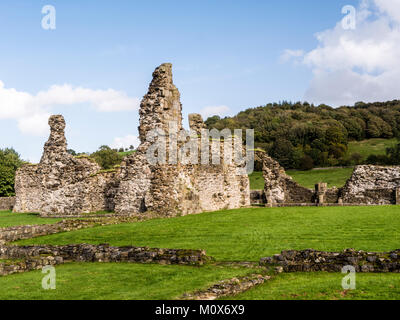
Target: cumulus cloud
[357, 65]
[32, 111]
[214, 110]
[125, 142]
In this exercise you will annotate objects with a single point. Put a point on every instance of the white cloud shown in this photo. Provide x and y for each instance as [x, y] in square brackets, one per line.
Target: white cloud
[32, 111]
[291, 55]
[125, 142]
[214, 110]
[361, 64]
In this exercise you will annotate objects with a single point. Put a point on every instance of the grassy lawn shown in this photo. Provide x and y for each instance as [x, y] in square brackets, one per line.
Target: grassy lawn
[251, 233]
[325, 286]
[125, 281]
[335, 177]
[9, 219]
[370, 147]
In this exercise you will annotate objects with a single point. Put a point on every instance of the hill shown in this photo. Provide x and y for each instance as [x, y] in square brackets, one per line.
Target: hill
[303, 136]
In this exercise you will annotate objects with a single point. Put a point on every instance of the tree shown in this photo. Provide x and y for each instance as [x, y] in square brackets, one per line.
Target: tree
[106, 157]
[10, 161]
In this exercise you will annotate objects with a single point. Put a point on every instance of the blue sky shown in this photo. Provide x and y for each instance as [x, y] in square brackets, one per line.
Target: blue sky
[227, 56]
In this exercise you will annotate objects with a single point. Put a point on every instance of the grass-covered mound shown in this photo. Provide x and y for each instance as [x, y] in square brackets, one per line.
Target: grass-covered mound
[249, 234]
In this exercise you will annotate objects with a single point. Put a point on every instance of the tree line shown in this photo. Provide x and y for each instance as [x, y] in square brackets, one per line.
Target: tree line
[303, 136]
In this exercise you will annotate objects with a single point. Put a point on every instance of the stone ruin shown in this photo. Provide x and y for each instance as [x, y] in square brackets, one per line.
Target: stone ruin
[62, 184]
[368, 185]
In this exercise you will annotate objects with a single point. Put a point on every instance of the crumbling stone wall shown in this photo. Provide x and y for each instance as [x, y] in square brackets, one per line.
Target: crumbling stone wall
[106, 253]
[313, 260]
[372, 185]
[7, 203]
[174, 189]
[62, 184]
[65, 185]
[279, 187]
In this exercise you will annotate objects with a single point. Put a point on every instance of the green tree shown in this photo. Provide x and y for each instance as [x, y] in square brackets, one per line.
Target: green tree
[10, 161]
[106, 157]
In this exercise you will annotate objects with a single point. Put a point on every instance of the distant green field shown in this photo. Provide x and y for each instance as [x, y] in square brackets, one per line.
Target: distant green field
[335, 177]
[325, 286]
[370, 147]
[9, 219]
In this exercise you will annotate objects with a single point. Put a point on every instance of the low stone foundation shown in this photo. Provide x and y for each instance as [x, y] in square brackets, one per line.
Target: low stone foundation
[312, 260]
[30, 231]
[106, 253]
[7, 204]
[10, 267]
[231, 287]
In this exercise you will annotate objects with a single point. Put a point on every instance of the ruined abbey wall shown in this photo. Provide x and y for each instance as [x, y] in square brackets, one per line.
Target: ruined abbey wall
[368, 185]
[62, 184]
[373, 185]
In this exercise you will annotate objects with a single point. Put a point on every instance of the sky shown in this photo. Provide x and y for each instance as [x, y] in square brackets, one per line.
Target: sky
[227, 56]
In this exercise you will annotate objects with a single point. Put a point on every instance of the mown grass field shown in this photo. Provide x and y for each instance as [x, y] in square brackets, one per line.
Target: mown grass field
[122, 281]
[251, 233]
[370, 147]
[325, 286]
[236, 235]
[9, 219]
[335, 177]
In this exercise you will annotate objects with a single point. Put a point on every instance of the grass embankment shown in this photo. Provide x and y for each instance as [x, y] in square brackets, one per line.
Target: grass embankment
[335, 177]
[251, 233]
[325, 286]
[124, 281]
[9, 219]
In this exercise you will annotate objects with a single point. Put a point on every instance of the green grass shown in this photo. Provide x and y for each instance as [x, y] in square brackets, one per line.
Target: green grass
[251, 233]
[256, 181]
[125, 281]
[325, 286]
[335, 177]
[9, 219]
[370, 147]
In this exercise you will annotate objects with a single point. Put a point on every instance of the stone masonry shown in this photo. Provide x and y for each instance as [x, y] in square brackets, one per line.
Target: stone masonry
[62, 184]
[313, 260]
[7, 203]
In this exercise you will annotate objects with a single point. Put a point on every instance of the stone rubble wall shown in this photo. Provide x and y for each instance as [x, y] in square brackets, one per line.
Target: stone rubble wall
[231, 287]
[36, 263]
[62, 185]
[15, 233]
[7, 203]
[107, 253]
[368, 185]
[312, 260]
[372, 185]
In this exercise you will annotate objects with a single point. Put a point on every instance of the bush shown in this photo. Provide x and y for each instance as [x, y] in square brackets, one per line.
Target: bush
[9, 163]
[106, 157]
